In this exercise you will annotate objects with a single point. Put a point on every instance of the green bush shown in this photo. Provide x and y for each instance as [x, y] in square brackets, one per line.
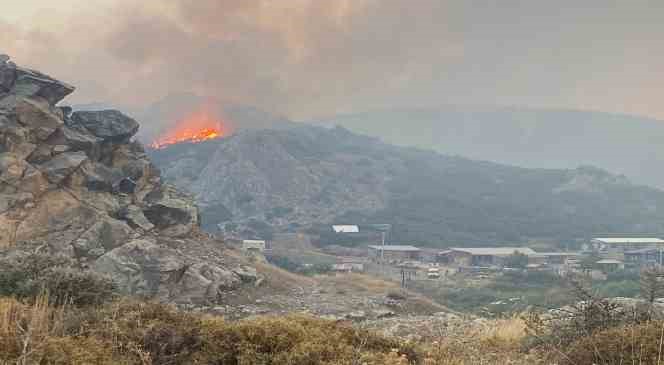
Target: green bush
[624, 288]
[298, 267]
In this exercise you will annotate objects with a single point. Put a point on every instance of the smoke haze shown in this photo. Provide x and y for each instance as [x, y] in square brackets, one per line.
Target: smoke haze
[306, 58]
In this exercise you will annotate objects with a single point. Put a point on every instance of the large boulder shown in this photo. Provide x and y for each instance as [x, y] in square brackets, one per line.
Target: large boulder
[56, 220]
[14, 137]
[145, 268]
[7, 74]
[81, 140]
[30, 83]
[105, 235]
[135, 217]
[11, 168]
[75, 184]
[175, 214]
[99, 177]
[109, 125]
[37, 115]
[61, 166]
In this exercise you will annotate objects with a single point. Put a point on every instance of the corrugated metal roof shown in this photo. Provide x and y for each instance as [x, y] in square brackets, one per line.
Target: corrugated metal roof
[609, 261]
[640, 251]
[394, 248]
[255, 242]
[628, 240]
[346, 229]
[495, 251]
[559, 253]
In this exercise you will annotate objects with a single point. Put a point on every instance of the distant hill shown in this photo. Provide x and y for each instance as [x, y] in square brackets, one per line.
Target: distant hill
[163, 114]
[260, 181]
[622, 144]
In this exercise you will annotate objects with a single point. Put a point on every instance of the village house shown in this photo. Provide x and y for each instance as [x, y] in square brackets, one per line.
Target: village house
[643, 257]
[610, 265]
[559, 258]
[394, 252]
[482, 256]
[346, 229]
[349, 264]
[615, 247]
[254, 246]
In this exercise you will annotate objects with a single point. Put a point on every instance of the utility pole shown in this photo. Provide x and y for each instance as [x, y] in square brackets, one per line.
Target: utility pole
[382, 253]
[383, 228]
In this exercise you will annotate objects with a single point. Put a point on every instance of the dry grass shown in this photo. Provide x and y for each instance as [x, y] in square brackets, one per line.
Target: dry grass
[29, 333]
[495, 342]
[359, 283]
[131, 332]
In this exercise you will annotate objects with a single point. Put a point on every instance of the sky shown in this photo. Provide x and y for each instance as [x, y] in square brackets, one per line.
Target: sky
[309, 58]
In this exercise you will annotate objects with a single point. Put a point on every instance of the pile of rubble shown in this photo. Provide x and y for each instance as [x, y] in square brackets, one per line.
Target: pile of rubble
[75, 183]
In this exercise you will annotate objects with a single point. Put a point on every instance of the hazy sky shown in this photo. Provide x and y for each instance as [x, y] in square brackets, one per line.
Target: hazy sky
[318, 57]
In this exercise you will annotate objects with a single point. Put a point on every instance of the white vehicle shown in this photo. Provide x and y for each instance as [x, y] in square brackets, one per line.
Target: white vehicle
[433, 273]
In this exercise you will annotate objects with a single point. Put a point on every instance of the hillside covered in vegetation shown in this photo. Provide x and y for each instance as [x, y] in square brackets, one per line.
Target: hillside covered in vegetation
[262, 181]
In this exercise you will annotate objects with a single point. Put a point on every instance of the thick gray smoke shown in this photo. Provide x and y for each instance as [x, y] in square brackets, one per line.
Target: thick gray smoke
[305, 58]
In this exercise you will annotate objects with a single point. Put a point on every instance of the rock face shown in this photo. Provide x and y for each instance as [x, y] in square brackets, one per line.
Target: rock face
[76, 184]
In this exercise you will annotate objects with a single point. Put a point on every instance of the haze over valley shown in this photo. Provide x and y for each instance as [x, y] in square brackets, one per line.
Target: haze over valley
[333, 182]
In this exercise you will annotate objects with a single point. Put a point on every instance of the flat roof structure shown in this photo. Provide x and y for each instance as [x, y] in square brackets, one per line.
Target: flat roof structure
[628, 240]
[346, 229]
[396, 248]
[495, 251]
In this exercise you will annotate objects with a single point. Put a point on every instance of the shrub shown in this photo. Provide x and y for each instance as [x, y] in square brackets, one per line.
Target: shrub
[629, 344]
[129, 332]
[516, 260]
[29, 276]
[295, 340]
[396, 295]
[591, 314]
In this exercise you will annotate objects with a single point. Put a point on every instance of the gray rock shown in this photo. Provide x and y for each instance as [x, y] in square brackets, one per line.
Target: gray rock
[31, 83]
[7, 74]
[105, 235]
[61, 166]
[383, 313]
[8, 201]
[11, 168]
[58, 149]
[172, 212]
[125, 186]
[356, 316]
[145, 268]
[135, 217]
[109, 125]
[99, 177]
[37, 115]
[82, 140]
[74, 184]
[246, 274]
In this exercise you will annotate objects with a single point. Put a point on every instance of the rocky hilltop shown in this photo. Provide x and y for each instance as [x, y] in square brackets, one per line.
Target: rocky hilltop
[77, 184]
[260, 181]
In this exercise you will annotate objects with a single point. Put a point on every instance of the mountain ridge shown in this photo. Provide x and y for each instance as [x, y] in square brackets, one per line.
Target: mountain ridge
[528, 137]
[308, 177]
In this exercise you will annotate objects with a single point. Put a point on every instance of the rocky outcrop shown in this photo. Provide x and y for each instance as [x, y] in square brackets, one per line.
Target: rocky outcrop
[75, 184]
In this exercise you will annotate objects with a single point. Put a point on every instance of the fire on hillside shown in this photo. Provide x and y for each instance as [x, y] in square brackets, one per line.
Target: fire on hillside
[199, 126]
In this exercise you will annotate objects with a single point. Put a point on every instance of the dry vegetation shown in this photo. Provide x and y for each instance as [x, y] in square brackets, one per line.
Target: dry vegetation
[134, 332]
[53, 327]
[129, 332]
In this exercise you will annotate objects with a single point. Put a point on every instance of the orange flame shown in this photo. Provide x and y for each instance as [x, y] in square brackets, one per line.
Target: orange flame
[197, 127]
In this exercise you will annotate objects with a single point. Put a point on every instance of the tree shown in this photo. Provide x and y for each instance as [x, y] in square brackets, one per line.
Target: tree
[516, 260]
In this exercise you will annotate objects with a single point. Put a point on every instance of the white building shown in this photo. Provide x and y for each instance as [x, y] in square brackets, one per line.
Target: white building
[257, 246]
[346, 229]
